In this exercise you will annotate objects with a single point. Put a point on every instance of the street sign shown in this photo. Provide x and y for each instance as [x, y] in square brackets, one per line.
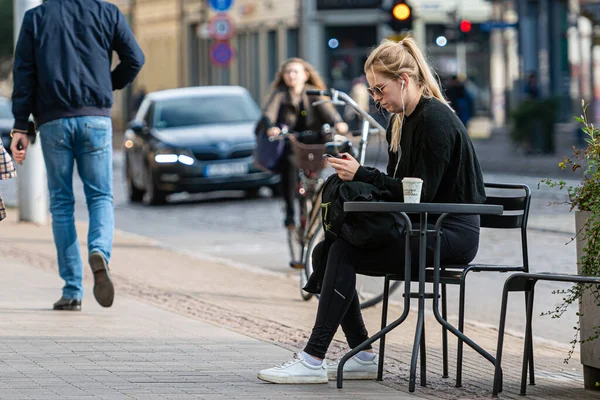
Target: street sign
[491, 25]
[221, 27]
[221, 5]
[221, 53]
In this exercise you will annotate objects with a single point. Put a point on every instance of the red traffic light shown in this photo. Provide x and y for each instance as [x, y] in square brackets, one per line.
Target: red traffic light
[465, 26]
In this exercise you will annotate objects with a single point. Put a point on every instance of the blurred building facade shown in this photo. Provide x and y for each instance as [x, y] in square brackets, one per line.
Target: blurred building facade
[174, 35]
[551, 38]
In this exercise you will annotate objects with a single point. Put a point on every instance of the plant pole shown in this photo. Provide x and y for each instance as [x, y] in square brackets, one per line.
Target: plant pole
[31, 181]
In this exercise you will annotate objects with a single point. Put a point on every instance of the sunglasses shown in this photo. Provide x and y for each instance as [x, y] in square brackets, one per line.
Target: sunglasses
[378, 89]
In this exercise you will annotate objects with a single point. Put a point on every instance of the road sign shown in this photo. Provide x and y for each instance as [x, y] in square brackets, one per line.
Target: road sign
[221, 5]
[221, 27]
[221, 53]
[491, 25]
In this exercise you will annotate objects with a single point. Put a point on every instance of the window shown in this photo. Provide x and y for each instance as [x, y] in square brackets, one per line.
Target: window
[194, 56]
[148, 116]
[205, 110]
[292, 43]
[225, 75]
[272, 55]
[242, 60]
[254, 64]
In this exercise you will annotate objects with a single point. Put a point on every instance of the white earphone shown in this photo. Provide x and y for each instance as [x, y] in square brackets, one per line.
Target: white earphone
[402, 97]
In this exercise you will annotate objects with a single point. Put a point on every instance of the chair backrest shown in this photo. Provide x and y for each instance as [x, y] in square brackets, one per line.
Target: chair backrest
[516, 211]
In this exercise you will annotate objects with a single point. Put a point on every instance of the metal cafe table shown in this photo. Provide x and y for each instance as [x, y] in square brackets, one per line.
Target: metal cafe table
[423, 209]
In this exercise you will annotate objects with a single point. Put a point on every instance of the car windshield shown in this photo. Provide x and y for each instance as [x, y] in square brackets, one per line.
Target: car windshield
[5, 109]
[204, 110]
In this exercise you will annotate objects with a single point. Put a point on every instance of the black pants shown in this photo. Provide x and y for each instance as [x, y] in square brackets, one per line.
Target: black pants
[339, 303]
[289, 180]
[289, 172]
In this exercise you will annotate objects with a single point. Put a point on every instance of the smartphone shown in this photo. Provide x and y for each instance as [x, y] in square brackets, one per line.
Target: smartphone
[329, 155]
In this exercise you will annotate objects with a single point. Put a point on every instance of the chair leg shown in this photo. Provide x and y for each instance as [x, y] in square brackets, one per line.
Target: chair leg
[531, 363]
[528, 340]
[461, 327]
[423, 358]
[386, 293]
[444, 333]
[497, 367]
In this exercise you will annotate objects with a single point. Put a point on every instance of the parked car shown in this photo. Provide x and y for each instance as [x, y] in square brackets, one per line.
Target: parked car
[6, 122]
[193, 140]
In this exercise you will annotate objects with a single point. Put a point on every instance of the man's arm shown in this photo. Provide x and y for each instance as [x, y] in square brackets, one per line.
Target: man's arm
[24, 76]
[130, 54]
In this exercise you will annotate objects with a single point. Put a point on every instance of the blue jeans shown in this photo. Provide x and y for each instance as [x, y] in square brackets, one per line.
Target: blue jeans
[86, 141]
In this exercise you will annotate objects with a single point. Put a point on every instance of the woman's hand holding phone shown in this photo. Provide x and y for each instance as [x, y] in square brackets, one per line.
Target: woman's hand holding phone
[344, 165]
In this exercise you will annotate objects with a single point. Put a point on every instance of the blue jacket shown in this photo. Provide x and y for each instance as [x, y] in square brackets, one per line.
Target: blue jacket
[62, 65]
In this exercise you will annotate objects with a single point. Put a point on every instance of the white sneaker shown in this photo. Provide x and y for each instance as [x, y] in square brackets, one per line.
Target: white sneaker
[296, 370]
[355, 368]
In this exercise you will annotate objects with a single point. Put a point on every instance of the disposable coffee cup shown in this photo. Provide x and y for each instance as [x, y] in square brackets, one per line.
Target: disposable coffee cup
[412, 189]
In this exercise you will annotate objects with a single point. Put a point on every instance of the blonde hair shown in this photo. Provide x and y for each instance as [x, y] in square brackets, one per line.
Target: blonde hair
[314, 78]
[394, 59]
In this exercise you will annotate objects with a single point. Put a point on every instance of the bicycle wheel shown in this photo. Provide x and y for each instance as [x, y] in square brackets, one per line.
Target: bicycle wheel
[305, 205]
[303, 279]
[369, 288]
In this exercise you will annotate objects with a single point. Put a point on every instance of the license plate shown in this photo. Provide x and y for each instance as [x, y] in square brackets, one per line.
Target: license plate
[226, 169]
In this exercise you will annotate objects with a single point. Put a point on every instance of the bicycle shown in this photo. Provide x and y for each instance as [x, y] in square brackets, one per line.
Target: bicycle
[310, 163]
[311, 228]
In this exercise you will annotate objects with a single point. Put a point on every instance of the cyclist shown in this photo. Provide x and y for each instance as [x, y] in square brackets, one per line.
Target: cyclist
[426, 140]
[288, 106]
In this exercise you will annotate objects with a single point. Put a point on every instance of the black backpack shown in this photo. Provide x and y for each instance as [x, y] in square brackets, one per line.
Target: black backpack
[362, 229]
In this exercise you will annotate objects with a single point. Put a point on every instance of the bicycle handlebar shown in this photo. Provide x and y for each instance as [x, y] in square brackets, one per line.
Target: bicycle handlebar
[285, 134]
[317, 92]
[337, 95]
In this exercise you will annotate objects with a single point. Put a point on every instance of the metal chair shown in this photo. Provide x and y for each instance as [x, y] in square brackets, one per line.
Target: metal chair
[525, 282]
[516, 212]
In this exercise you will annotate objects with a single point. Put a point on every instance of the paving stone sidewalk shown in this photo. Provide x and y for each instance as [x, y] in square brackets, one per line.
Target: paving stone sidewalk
[135, 349]
[132, 351]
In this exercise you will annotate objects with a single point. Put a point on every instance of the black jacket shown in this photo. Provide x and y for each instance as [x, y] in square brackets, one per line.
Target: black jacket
[435, 147]
[62, 65]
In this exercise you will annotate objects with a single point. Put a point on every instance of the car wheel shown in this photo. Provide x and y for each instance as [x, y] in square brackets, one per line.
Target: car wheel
[135, 195]
[253, 193]
[153, 195]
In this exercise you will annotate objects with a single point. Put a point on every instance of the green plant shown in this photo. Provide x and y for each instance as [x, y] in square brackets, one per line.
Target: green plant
[584, 196]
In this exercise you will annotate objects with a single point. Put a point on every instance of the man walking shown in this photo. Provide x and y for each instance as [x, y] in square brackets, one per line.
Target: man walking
[62, 75]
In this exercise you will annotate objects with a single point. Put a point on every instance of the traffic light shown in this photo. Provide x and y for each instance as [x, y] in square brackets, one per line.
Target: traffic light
[401, 16]
[464, 27]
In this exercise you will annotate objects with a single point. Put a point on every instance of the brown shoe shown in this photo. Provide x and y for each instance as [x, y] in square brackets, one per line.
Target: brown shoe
[104, 291]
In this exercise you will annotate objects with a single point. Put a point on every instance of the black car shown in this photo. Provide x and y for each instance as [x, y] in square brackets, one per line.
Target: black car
[6, 122]
[193, 140]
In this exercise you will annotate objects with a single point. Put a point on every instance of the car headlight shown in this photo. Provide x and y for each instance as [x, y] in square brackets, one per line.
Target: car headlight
[186, 159]
[171, 156]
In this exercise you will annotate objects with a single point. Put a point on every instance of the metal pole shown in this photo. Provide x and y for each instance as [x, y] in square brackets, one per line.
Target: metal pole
[497, 69]
[31, 181]
[461, 46]
[544, 48]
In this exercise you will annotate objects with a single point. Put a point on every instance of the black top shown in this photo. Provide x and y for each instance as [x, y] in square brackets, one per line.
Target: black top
[435, 147]
[63, 58]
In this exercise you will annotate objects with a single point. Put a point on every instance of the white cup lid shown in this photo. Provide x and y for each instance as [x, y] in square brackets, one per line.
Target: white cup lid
[412, 180]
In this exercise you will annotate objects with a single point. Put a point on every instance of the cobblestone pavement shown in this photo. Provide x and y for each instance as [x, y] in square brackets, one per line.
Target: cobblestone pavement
[133, 351]
[259, 305]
